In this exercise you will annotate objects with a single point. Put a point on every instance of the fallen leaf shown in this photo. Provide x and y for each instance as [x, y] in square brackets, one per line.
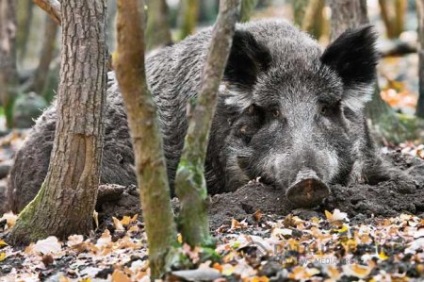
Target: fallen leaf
[50, 245]
[119, 276]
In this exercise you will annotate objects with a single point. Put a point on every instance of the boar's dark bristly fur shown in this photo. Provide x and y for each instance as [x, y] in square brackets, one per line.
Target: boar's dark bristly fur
[285, 111]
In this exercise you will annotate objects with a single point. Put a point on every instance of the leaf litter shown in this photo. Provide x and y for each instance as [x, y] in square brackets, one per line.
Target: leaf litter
[267, 248]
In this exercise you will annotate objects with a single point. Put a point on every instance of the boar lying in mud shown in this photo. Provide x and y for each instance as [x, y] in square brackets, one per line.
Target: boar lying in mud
[287, 113]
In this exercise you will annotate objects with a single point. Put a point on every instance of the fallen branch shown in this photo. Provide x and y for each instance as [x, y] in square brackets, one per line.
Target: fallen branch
[52, 8]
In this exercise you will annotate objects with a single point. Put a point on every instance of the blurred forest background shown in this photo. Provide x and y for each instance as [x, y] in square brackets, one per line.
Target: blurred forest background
[32, 65]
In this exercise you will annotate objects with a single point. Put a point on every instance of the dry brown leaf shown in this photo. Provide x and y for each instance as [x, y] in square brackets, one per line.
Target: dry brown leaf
[119, 276]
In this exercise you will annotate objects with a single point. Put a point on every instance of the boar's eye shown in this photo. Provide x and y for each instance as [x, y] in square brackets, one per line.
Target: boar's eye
[329, 110]
[276, 113]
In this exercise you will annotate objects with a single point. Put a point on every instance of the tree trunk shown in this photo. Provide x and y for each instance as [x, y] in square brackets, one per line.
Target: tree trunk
[347, 14]
[25, 13]
[47, 53]
[385, 124]
[190, 181]
[299, 10]
[313, 21]
[188, 17]
[420, 104]
[393, 15]
[66, 200]
[8, 72]
[247, 8]
[158, 32]
[147, 141]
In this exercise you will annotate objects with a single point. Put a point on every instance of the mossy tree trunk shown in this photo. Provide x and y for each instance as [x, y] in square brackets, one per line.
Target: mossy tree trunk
[147, 142]
[190, 180]
[385, 124]
[46, 56]
[158, 32]
[66, 200]
[189, 13]
[8, 71]
[420, 12]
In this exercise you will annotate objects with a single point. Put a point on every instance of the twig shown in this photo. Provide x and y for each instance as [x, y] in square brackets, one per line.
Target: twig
[52, 8]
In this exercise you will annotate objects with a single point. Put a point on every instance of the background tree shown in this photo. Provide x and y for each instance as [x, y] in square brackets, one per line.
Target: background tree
[393, 15]
[385, 123]
[247, 8]
[66, 200]
[8, 71]
[147, 142]
[46, 57]
[188, 17]
[25, 13]
[190, 181]
[309, 16]
[420, 12]
[158, 32]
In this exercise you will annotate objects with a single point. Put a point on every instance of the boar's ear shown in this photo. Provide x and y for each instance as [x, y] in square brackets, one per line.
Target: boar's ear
[353, 56]
[247, 58]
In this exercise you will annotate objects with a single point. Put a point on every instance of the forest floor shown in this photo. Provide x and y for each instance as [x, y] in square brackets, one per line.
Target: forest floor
[361, 232]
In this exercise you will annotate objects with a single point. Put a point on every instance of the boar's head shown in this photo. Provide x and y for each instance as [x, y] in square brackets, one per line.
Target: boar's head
[290, 114]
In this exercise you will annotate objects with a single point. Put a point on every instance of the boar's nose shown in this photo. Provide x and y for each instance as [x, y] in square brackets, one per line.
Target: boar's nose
[307, 190]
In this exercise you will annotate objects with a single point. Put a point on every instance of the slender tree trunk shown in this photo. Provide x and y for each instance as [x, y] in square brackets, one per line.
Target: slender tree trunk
[420, 11]
[385, 124]
[25, 13]
[47, 53]
[190, 180]
[158, 32]
[188, 17]
[247, 8]
[147, 141]
[66, 200]
[8, 72]
[313, 19]
[299, 10]
[393, 15]
[401, 7]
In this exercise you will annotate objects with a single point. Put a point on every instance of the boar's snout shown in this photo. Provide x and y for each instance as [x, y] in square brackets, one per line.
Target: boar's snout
[307, 190]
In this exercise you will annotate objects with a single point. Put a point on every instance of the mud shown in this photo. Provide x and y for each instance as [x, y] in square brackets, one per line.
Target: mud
[360, 202]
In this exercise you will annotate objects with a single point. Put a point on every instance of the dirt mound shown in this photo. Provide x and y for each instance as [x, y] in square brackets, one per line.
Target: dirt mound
[359, 201]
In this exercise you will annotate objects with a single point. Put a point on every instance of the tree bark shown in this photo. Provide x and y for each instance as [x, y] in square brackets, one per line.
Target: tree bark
[158, 32]
[25, 13]
[8, 71]
[190, 181]
[66, 200]
[188, 17]
[347, 14]
[147, 141]
[420, 12]
[47, 53]
[385, 124]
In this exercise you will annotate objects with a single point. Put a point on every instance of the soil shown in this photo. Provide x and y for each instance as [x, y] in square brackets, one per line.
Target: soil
[361, 202]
